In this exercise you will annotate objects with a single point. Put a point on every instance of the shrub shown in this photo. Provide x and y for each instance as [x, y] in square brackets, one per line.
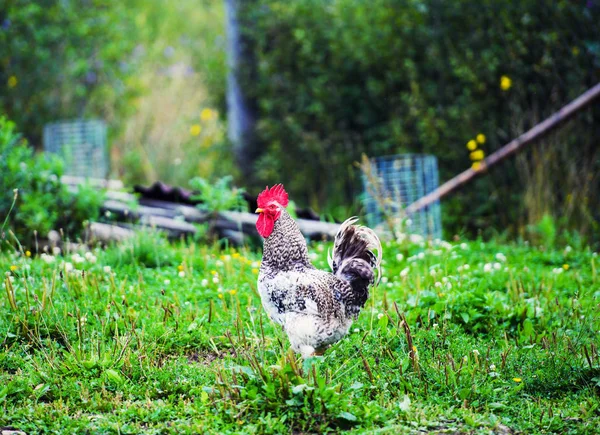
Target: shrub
[41, 203]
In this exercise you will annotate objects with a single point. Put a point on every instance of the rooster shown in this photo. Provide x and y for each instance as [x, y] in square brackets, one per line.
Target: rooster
[314, 307]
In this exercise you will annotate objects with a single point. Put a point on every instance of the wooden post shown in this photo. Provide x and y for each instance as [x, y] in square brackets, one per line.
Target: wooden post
[537, 132]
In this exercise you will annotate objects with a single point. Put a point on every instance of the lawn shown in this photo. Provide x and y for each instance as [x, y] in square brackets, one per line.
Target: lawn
[152, 337]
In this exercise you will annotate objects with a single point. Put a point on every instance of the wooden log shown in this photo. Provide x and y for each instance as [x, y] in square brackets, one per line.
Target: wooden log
[109, 233]
[228, 220]
[246, 221]
[537, 132]
[175, 228]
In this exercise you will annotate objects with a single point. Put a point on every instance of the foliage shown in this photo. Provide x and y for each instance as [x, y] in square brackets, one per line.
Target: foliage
[504, 336]
[335, 79]
[62, 59]
[218, 196]
[42, 202]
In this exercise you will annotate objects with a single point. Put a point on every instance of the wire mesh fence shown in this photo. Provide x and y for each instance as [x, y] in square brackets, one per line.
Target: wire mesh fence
[396, 182]
[82, 144]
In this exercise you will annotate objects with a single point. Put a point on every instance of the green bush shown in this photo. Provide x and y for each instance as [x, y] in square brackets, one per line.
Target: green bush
[336, 79]
[32, 197]
[63, 59]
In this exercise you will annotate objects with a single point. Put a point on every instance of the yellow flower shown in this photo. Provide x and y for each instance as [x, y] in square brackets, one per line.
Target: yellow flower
[476, 165]
[207, 114]
[480, 138]
[195, 130]
[27, 253]
[180, 267]
[505, 83]
[414, 348]
[12, 82]
[233, 292]
[477, 155]
[472, 145]
[13, 268]
[255, 271]
[220, 296]
[575, 51]
[565, 266]
[236, 255]
[517, 379]
[441, 295]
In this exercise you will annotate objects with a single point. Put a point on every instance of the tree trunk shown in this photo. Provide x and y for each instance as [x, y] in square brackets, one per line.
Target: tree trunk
[241, 108]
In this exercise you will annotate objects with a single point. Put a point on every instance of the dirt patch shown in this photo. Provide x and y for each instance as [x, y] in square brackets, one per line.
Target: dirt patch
[205, 357]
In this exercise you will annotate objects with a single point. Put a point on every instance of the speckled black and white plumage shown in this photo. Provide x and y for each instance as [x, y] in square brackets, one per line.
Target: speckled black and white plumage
[316, 308]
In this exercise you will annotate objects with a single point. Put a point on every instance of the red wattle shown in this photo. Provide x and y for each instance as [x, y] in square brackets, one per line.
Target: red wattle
[265, 225]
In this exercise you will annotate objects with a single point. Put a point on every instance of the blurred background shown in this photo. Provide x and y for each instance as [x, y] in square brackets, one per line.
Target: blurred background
[314, 85]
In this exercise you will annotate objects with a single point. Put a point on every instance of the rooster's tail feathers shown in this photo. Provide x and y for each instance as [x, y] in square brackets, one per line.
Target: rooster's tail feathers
[357, 254]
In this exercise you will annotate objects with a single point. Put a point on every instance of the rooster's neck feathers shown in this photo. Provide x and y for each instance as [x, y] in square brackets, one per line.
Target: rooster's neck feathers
[285, 248]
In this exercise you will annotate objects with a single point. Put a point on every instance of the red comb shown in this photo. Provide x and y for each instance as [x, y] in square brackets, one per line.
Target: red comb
[275, 193]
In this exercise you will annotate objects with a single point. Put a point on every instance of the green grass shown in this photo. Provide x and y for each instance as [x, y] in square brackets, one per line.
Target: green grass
[173, 339]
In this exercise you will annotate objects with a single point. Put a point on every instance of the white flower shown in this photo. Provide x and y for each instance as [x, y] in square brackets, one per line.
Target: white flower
[77, 259]
[421, 255]
[404, 272]
[356, 330]
[501, 257]
[460, 268]
[438, 284]
[464, 246]
[68, 267]
[219, 263]
[399, 257]
[204, 283]
[487, 267]
[465, 358]
[437, 253]
[106, 269]
[432, 272]
[384, 279]
[557, 270]
[320, 247]
[449, 285]
[525, 269]
[313, 256]
[445, 279]
[568, 249]
[380, 315]
[167, 281]
[181, 274]
[466, 267]
[595, 254]
[215, 279]
[475, 352]
[56, 250]
[497, 266]
[493, 367]
[48, 259]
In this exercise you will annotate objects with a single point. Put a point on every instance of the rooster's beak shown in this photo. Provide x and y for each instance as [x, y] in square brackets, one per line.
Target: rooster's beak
[259, 210]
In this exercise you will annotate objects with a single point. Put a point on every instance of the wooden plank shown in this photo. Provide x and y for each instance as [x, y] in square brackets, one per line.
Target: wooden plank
[537, 132]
